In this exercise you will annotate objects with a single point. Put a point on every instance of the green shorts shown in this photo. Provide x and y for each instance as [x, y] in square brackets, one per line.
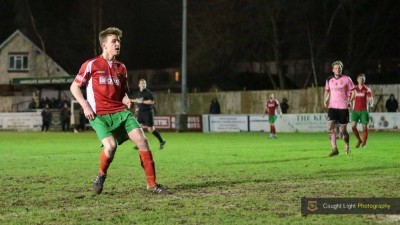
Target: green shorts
[117, 125]
[360, 116]
[272, 119]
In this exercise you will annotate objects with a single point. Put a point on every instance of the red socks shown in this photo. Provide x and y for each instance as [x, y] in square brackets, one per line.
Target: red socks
[272, 129]
[355, 132]
[365, 137]
[146, 159]
[104, 163]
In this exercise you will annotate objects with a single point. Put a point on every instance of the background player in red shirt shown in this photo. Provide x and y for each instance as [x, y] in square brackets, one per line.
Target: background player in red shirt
[271, 106]
[363, 99]
[106, 85]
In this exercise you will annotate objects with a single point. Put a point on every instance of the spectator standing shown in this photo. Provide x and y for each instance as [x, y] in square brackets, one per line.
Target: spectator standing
[284, 106]
[65, 115]
[82, 120]
[214, 107]
[46, 118]
[32, 104]
[392, 104]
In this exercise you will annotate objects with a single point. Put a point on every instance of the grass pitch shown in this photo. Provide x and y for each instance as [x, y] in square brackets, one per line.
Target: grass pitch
[216, 178]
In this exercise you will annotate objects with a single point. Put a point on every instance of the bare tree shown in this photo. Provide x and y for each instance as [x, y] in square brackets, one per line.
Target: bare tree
[42, 42]
[318, 37]
[223, 33]
[97, 24]
[276, 19]
[211, 42]
[364, 29]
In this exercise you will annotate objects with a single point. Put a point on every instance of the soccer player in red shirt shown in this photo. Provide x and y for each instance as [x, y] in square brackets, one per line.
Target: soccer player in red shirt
[337, 88]
[363, 99]
[105, 80]
[271, 106]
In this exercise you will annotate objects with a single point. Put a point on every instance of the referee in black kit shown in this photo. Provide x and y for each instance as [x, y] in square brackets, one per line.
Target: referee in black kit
[146, 110]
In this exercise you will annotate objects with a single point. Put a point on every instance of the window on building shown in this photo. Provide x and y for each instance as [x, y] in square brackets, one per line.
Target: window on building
[18, 62]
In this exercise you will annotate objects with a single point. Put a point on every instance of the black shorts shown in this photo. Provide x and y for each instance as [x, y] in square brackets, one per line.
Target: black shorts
[340, 116]
[146, 118]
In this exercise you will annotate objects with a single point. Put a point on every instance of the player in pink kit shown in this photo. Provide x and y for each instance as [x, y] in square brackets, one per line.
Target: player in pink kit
[337, 89]
[363, 99]
[271, 106]
[105, 80]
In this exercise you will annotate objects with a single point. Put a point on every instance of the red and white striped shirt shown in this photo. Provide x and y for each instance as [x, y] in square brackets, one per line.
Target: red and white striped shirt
[106, 84]
[361, 99]
[272, 105]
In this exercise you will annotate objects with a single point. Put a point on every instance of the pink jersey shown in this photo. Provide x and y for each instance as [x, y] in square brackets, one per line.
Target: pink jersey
[106, 83]
[338, 91]
[361, 99]
[271, 105]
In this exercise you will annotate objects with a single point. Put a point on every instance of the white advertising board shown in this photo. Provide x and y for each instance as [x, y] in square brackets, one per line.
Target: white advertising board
[312, 122]
[290, 123]
[303, 123]
[258, 123]
[384, 121]
[29, 121]
[228, 123]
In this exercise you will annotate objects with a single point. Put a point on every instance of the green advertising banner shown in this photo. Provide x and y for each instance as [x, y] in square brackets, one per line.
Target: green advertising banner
[42, 80]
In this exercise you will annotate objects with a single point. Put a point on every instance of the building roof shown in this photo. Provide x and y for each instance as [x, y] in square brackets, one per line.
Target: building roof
[18, 32]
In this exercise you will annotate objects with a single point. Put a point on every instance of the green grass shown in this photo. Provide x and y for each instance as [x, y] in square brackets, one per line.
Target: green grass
[217, 178]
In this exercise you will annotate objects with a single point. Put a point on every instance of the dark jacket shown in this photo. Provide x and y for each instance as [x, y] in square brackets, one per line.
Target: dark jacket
[214, 107]
[284, 105]
[65, 113]
[46, 115]
[392, 104]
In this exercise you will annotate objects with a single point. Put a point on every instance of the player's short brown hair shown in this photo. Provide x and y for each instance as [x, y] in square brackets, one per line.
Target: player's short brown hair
[361, 75]
[338, 62]
[109, 31]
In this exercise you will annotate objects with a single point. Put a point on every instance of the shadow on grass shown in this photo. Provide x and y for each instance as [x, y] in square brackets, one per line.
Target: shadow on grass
[220, 183]
[326, 174]
[272, 161]
[353, 170]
